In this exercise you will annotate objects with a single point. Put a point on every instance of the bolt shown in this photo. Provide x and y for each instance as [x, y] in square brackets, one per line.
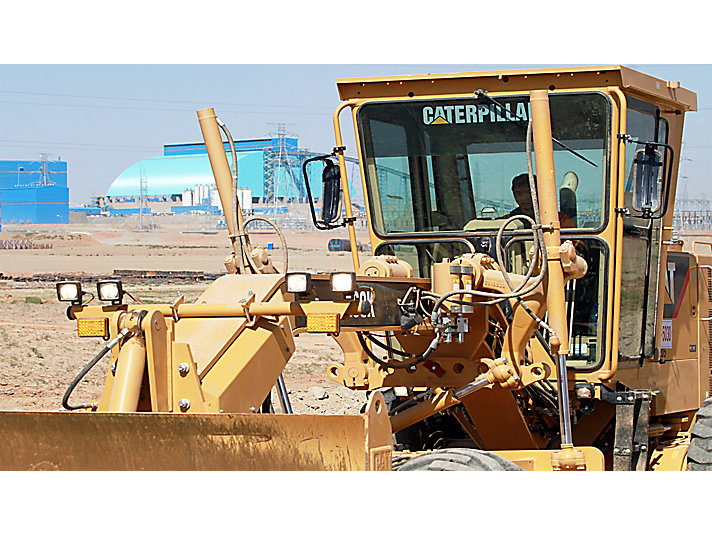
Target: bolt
[412, 368]
[183, 368]
[184, 404]
[643, 447]
[631, 398]
[616, 450]
[626, 451]
[113, 368]
[516, 378]
[253, 409]
[619, 398]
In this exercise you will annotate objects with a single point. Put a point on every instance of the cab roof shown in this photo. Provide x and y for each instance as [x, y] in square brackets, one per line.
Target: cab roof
[666, 94]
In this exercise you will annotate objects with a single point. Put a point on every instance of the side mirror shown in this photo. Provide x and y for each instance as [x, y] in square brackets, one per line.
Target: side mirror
[648, 178]
[331, 193]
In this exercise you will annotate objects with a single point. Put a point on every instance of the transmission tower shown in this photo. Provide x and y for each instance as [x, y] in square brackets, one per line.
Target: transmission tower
[44, 170]
[147, 223]
[278, 165]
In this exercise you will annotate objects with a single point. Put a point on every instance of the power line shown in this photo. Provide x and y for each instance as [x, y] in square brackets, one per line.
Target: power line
[127, 99]
[33, 142]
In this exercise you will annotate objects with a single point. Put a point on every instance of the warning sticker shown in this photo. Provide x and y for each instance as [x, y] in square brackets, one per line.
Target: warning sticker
[666, 341]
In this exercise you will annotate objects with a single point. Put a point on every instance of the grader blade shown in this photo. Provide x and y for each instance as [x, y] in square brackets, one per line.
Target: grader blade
[71, 441]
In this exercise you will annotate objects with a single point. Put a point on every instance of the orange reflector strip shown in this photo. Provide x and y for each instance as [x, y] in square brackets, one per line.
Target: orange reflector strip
[324, 323]
[93, 327]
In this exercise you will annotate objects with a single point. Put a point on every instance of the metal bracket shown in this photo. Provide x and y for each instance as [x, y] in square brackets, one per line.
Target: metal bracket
[630, 445]
[625, 397]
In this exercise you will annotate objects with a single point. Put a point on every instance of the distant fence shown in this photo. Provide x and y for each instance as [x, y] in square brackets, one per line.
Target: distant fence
[22, 244]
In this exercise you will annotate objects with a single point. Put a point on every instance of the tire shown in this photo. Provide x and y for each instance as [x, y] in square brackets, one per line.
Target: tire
[699, 454]
[457, 460]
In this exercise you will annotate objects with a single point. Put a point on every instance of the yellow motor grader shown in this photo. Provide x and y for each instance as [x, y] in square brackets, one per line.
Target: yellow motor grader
[526, 306]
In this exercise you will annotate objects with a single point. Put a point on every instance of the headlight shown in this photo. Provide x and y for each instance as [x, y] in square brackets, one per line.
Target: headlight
[110, 291]
[343, 282]
[69, 292]
[298, 282]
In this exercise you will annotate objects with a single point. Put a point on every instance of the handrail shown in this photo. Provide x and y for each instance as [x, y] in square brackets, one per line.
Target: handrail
[705, 319]
[344, 181]
[617, 274]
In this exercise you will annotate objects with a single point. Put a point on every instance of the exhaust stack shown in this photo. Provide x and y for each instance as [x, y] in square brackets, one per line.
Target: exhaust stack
[221, 169]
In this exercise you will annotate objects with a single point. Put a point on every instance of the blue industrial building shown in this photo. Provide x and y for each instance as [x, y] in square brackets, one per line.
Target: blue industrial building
[267, 167]
[34, 192]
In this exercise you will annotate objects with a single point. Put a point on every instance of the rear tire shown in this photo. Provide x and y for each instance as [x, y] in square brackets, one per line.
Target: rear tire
[699, 454]
[457, 460]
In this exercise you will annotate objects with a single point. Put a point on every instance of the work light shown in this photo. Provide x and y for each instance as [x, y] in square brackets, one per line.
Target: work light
[69, 292]
[343, 282]
[110, 291]
[298, 282]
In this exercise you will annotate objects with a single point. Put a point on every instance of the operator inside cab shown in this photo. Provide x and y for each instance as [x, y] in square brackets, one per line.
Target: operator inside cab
[567, 199]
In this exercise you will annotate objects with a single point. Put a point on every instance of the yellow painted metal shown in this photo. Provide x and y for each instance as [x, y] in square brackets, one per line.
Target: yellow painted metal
[345, 186]
[524, 80]
[129, 375]
[157, 441]
[546, 187]
[93, 327]
[541, 460]
[158, 360]
[186, 383]
[326, 323]
[671, 456]
[221, 170]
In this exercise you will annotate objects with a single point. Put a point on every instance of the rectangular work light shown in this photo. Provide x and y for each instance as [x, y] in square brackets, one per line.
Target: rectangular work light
[69, 291]
[298, 282]
[110, 291]
[343, 282]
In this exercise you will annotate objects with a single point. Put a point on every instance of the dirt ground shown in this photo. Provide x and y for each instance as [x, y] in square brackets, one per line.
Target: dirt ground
[40, 352]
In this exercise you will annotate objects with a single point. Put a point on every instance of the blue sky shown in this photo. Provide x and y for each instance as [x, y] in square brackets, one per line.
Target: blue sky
[102, 119]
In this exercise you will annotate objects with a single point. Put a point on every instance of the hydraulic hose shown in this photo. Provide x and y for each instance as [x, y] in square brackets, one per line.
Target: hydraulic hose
[87, 368]
[403, 365]
[237, 212]
[538, 233]
[240, 224]
[281, 239]
[539, 247]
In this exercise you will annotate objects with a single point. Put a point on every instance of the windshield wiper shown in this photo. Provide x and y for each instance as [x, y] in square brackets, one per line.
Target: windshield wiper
[483, 93]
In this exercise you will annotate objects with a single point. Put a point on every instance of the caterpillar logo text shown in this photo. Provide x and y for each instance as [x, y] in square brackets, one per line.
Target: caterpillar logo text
[474, 114]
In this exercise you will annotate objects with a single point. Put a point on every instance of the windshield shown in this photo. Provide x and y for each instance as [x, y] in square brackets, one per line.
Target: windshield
[456, 164]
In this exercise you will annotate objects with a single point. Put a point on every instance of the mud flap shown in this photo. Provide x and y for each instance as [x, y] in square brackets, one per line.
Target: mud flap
[73, 441]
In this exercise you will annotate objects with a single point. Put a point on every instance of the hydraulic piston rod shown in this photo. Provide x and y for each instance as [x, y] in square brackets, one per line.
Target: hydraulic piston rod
[555, 299]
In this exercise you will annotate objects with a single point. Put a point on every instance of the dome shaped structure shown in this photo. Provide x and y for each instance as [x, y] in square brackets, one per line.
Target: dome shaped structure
[171, 175]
